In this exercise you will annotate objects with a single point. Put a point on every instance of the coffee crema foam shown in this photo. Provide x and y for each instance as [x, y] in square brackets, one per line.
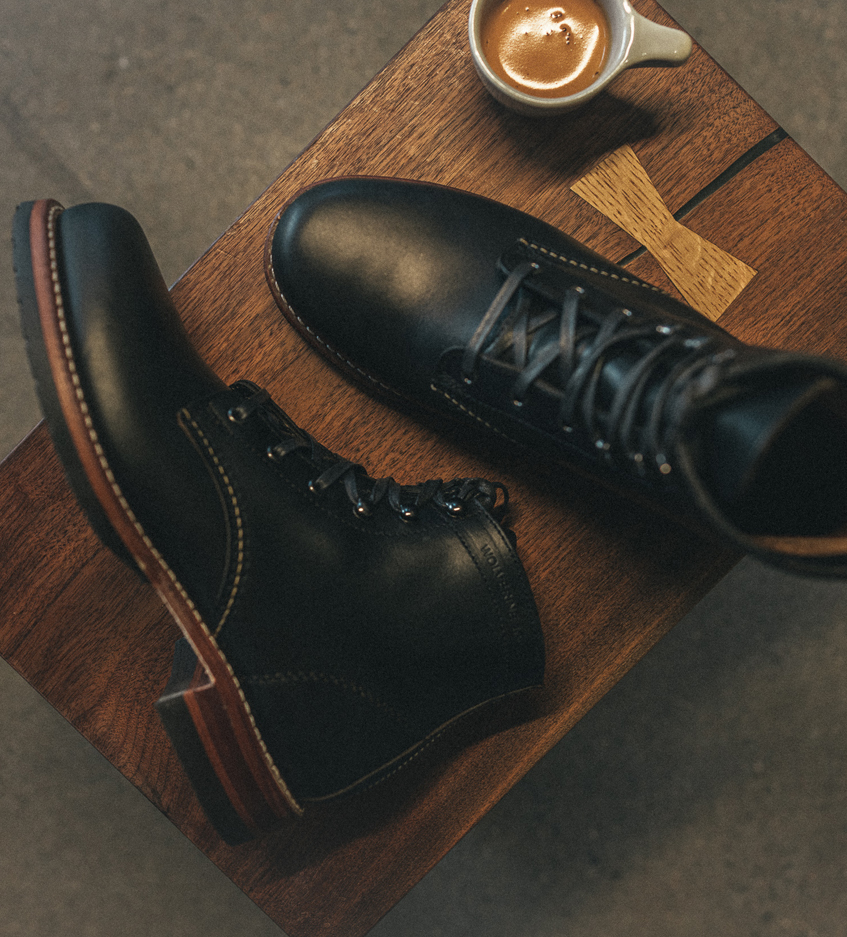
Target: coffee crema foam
[546, 50]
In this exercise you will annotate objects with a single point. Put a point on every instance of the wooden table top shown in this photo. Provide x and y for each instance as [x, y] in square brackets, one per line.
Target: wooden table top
[610, 578]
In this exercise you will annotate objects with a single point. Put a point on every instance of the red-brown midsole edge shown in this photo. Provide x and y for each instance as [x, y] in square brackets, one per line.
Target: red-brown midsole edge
[214, 730]
[72, 404]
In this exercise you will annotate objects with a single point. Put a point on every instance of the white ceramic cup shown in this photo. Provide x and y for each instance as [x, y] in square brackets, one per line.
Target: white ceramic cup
[634, 40]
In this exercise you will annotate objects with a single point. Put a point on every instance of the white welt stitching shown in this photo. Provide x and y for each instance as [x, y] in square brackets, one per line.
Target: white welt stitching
[116, 489]
[83, 405]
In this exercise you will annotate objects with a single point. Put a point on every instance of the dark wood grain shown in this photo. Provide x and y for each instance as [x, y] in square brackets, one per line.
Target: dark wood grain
[610, 579]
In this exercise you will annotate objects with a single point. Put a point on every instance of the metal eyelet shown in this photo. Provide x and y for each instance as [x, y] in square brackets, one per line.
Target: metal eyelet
[605, 450]
[408, 513]
[362, 509]
[314, 487]
[273, 453]
[454, 508]
[237, 414]
[517, 403]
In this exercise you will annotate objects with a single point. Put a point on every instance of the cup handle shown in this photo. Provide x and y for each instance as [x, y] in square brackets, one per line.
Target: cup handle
[653, 44]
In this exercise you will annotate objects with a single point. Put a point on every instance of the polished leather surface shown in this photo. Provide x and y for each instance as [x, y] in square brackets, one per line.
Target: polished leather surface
[387, 275]
[137, 370]
[355, 629]
[360, 634]
[391, 281]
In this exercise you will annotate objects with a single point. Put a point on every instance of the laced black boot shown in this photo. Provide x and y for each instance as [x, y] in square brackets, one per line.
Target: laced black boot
[464, 304]
[333, 623]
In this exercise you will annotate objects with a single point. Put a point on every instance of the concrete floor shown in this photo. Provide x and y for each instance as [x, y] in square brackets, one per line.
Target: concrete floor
[706, 795]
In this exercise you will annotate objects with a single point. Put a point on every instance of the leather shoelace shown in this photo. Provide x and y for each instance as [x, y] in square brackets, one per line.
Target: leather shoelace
[569, 347]
[364, 492]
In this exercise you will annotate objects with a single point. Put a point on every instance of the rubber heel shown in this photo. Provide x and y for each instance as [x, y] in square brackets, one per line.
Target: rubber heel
[193, 716]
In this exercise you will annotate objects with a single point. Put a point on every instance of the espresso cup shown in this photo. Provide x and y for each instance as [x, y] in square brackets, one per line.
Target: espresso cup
[542, 58]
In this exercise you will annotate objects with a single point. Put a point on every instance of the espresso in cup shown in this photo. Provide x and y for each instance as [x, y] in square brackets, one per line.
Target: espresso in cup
[543, 49]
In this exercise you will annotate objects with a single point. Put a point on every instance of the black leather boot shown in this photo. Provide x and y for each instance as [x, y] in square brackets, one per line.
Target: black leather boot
[332, 623]
[465, 305]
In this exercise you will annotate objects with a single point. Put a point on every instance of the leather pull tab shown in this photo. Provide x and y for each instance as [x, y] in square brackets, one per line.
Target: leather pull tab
[708, 277]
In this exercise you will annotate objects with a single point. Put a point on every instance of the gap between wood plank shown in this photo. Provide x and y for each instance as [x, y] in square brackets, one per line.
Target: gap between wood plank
[743, 161]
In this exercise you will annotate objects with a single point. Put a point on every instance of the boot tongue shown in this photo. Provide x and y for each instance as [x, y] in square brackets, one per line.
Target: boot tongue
[775, 458]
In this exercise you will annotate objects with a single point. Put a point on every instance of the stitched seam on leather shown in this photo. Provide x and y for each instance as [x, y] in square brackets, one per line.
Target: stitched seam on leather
[380, 775]
[239, 564]
[611, 274]
[313, 676]
[419, 750]
[425, 744]
[116, 489]
[271, 273]
[495, 596]
[459, 405]
[83, 404]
